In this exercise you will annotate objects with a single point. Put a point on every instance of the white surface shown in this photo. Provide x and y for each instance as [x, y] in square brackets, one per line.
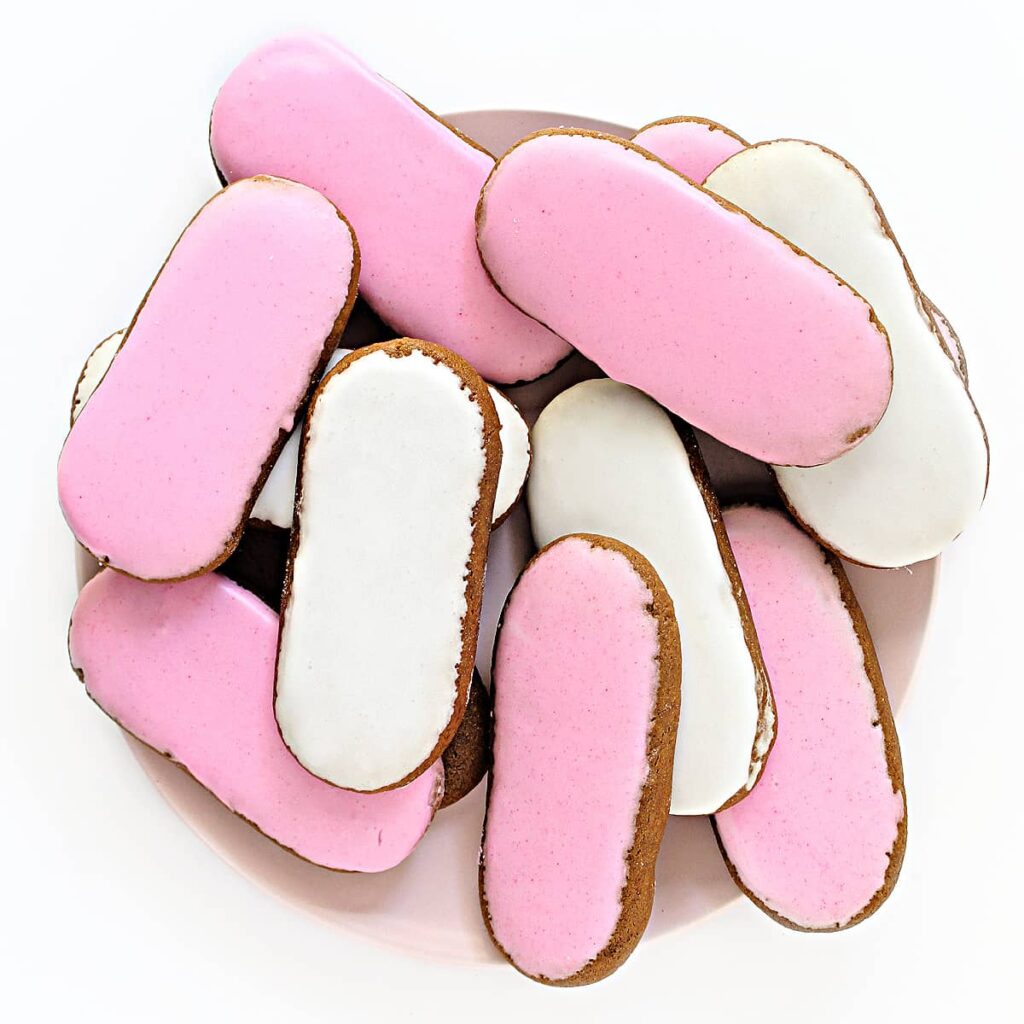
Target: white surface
[607, 460]
[113, 909]
[917, 481]
[374, 626]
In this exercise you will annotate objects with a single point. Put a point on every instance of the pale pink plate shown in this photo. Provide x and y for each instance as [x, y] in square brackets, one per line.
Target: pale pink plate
[428, 905]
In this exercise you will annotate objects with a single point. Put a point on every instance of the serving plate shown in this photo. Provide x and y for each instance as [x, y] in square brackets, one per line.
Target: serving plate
[428, 905]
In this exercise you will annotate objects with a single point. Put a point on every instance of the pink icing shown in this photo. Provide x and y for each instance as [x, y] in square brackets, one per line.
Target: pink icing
[575, 687]
[307, 109]
[189, 669]
[694, 148]
[160, 467]
[812, 841]
[664, 288]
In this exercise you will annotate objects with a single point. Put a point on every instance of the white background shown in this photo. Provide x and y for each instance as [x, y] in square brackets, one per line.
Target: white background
[113, 909]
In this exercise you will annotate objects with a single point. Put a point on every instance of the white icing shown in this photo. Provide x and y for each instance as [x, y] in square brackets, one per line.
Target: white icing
[95, 370]
[276, 501]
[607, 460]
[912, 485]
[372, 635]
[515, 455]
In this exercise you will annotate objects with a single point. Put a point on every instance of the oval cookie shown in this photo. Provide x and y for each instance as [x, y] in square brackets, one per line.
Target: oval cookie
[305, 108]
[912, 486]
[188, 669]
[669, 289]
[586, 703]
[692, 146]
[160, 469]
[608, 460]
[400, 456]
[819, 842]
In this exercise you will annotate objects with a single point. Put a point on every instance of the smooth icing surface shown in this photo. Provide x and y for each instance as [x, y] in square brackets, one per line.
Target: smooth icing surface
[276, 501]
[188, 668]
[667, 289]
[813, 840]
[94, 370]
[159, 469]
[305, 108]
[515, 454]
[607, 460]
[691, 146]
[913, 485]
[393, 466]
[575, 683]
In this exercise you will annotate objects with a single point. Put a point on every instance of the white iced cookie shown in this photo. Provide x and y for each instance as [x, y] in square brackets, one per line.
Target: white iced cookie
[94, 370]
[515, 455]
[275, 504]
[398, 468]
[608, 460]
[913, 485]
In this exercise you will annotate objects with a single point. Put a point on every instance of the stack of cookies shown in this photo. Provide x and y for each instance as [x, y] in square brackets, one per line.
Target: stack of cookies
[289, 466]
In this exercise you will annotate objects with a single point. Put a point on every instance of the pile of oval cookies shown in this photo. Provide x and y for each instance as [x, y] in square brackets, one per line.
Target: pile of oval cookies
[293, 524]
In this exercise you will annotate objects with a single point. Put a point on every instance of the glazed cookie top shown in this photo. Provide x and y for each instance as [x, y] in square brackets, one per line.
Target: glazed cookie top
[188, 668]
[911, 487]
[586, 677]
[671, 290]
[159, 470]
[400, 458]
[819, 841]
[305, 108]
[94, 371]
[609, 460]
[691, 145]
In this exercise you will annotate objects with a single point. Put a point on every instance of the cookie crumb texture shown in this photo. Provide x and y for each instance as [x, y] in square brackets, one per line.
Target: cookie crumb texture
[819, 842]
[585, 711]
[188, 669]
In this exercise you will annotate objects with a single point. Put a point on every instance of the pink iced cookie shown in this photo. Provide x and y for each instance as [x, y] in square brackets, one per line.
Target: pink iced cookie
[586, 692]
[188, 668]
[161, 467]
[305, 108]
[670, 289]
[819, 842]
[692, 146]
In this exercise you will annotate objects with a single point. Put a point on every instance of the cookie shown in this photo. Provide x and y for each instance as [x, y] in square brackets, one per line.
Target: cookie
[670, 289]
[305, 108]
[258, 563]
[468, 756]
[608, 460]
[398, 467]
[159, 471]
[516, 455]
[819, 842]
[94, 370]
[586, 705]
[188, 669]
[692, 146]
[915, 483]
